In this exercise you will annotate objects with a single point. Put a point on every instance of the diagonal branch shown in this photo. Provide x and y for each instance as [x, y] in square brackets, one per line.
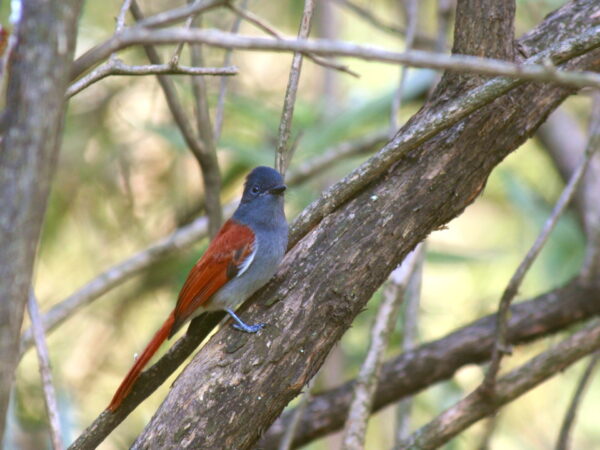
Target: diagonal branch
[511, 386]
[511, 290]
[211, 172]
[565, 429]
[45, 372]
[437, 361]
[366, 382]
[284, 151]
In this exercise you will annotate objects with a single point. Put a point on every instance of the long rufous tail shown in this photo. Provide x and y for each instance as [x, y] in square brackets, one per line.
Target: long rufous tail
[140, 363]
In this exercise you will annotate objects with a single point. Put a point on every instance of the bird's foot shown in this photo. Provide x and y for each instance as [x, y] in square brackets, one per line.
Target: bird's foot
[249, 328]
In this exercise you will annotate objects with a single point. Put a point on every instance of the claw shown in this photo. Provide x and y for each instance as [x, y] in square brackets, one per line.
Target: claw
[240, 325]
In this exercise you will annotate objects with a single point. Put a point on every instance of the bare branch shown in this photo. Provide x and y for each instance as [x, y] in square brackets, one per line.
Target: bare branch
[202, 149]
[409, 337]
[32, 121]
[329, 157]
[569, 420]
[284, 152]
[223, 84]
[511, 386]
[412, 13]
[436, 361]
[45, 372]
[380, 24]
[533, 69]
[271, 30]
[511, 290]
[366, 382]
[288, 437]
[211, 172]
[177, 14]
[121, 17]
[118, 67]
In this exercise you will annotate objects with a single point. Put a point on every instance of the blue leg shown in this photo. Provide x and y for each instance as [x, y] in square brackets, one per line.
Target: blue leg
[240, 325]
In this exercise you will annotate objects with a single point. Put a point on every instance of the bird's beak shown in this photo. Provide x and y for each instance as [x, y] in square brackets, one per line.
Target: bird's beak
[278, 190]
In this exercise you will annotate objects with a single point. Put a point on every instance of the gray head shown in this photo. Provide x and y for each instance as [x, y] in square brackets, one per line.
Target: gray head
[262, 201]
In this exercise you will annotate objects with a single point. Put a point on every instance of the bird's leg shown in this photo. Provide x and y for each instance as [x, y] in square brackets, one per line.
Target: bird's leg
[240, 325]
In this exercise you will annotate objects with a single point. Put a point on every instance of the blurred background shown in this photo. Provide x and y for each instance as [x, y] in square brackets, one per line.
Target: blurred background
[125, 179]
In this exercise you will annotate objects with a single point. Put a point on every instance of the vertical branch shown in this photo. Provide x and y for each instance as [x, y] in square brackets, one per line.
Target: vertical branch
[366, 382]
[500, 346]
[411, 14]
[206, 159]
[224, 80]
[569, 420]
[38, 73]
[284, 151]
[210, 163]
[409, 337]
[45, 371]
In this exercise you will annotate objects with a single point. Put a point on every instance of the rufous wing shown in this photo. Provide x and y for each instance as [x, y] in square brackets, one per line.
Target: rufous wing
[222, 261]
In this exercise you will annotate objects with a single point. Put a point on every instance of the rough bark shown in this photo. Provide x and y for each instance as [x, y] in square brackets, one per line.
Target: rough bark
[436, 361]
[237, 384]
[31, 127]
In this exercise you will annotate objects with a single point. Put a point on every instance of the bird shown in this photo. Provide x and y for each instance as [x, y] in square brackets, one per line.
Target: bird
[242, 257]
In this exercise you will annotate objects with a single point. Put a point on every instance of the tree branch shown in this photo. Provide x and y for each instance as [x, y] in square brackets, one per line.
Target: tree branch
[38, 73]
[436, 361]
[118, 67]
[512, 385]
[565, 429]
[211, 173]
[368, 376]
[500, 347]
[532, 70]
[284, 151]
[45, 372]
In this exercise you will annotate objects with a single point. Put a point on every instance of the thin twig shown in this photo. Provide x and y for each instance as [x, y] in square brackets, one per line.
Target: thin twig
[329, 157]
[409, 337]
[475, 406]
[284, 152]
[569, 420]
[118, 67]
[203, 152]
[174, 61]
[380, 24]
[271, 30]
[177, 14]
[211, 172]
[288, 438]
[411, 8]
[121, 17]
[45, 372]
[218, 127]
[500, 347]
[366, 382]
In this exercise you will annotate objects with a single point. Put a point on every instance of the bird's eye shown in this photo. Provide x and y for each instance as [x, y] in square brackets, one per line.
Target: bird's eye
[255, 189]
